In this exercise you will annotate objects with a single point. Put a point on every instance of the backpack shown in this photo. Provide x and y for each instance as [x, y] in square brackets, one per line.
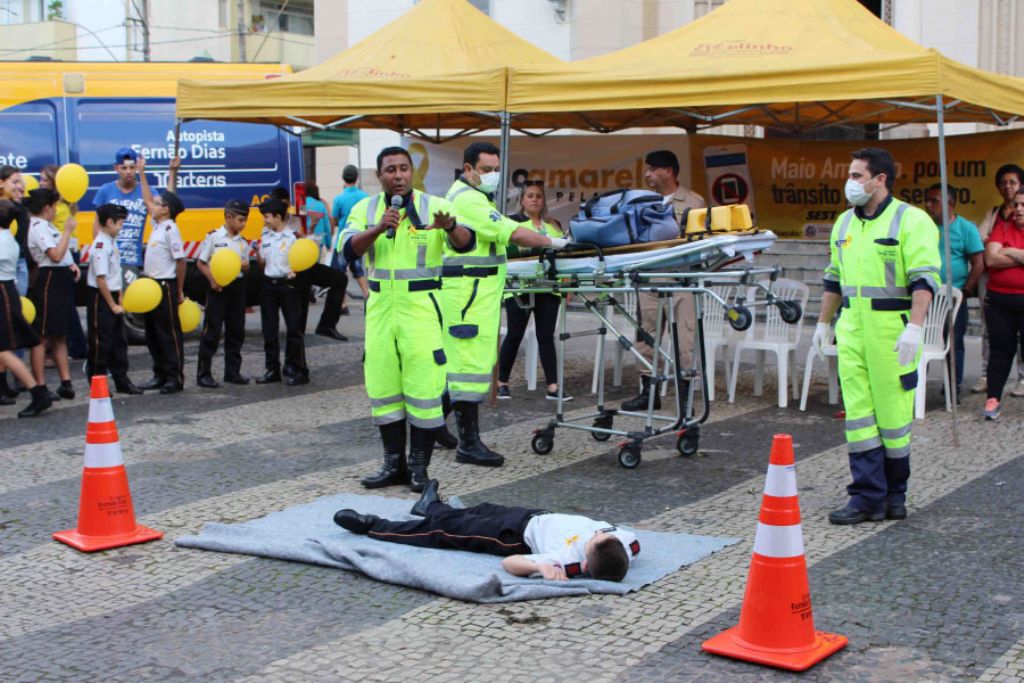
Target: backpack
[622, 217]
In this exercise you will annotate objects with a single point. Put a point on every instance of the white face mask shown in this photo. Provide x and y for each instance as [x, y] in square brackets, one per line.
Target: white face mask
[489, 181]
[856, 194]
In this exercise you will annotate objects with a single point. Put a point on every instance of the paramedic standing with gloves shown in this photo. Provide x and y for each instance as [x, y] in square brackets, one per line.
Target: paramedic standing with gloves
[884, 271]
[473, 286]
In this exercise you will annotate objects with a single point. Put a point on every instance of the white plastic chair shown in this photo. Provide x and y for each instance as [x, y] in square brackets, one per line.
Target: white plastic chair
[717, 334]
[774, 336]
[936, 346]
[611, 344]
[831, 359]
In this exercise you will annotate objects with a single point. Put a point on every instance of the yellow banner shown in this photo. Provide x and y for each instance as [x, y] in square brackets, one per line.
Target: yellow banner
[795, 187]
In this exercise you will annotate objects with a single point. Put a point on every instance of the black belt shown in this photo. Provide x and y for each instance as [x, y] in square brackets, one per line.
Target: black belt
[278, 280]
[166, 279]
[884, 304]
[414, 285]
[469, 271]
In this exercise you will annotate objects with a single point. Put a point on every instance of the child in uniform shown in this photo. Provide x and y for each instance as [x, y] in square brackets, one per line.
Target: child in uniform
[108, 344]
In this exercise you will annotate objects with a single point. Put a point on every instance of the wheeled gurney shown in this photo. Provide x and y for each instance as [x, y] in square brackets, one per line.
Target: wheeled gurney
[600, 279]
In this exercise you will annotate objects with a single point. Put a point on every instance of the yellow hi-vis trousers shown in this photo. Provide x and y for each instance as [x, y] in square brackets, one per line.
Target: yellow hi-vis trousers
[472, 318]
[404, 362]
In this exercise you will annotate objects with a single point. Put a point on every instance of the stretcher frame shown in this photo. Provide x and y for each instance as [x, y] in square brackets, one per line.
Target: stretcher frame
[602, 290]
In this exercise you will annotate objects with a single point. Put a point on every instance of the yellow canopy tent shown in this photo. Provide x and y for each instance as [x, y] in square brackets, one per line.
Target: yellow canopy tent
[442, 64]
[797, 65]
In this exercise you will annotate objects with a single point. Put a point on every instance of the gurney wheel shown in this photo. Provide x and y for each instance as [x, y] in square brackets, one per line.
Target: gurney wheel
[790, 311]
[688, 442]
[602, 423]
[739, 318]
[543, 442]
[629, 456]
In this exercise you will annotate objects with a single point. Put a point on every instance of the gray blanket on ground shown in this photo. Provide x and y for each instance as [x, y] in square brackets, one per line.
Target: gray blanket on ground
[307, 533]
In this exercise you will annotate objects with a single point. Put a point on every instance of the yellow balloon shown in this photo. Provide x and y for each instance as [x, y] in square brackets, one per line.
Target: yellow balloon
[28, 310]
[142, 296]
[303, 255]
[30, 182]
[225, 265]
[72, 182]
[189, 314]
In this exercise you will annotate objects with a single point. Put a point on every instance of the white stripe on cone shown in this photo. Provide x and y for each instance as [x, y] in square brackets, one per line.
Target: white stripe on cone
[781, 481]
[100, 410]
[103, 455]
[779, 541]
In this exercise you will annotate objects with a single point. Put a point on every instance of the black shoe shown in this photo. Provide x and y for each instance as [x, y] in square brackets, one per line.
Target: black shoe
[896, 511]
[504, 394]
[331, 333]
[123, 385]
[297, 379]
[172, 388]
[428, 497]
[40, 401]
[6, 391]
[5, 400]
[471, 450]
[153, 384]
[393, 471]
[289, 371]
[66, 390]
[445, 439]
[344, 310]
[207, 382]
[851, 515]
[269, 377]
[236, 379]
[54, 398]
[355, 522]
[553, 396]
[640, 401]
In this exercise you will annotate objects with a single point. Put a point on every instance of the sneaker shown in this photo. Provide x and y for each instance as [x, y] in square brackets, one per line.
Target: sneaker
[991, 411]
[981, 387]
[503, 392]
[553, 396]
[1018, 390]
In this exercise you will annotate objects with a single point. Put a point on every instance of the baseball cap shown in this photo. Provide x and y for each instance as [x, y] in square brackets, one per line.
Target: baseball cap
[125, 154]
[237, 207]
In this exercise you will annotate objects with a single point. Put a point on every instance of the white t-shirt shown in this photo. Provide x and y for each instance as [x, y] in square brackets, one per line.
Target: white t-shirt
[43, 236]
[9, 255]
[105, 260]
[163, 251]
[561, 540]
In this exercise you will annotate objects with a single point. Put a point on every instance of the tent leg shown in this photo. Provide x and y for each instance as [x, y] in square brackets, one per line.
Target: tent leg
[940, 116]
[506, 125]
[172, 177]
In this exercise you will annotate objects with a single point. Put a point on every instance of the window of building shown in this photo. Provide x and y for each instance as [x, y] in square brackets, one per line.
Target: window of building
[20, 11]
[294, 16]
[223, 16]
[482, 5]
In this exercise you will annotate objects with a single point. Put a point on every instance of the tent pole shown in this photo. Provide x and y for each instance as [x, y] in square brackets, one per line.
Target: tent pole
[506, 124]
[172, 182]
[948, 274]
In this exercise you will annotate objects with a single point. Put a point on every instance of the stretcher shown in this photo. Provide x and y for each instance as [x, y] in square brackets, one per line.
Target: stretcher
[601, 279]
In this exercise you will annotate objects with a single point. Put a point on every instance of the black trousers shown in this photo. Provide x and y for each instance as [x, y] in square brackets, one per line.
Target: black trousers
[322, 276]
[545, 312]
[280, 296]
[163, 335]
[107, 341]
[1004, 317]
[483, 528]
[224, 309]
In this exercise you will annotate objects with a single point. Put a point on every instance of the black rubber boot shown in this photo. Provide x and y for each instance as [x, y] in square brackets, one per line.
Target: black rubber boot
[420, 450]
[443, 437]
[471, 449]
[639, 402]
[429, 496]
[40, 401]
[393, 471]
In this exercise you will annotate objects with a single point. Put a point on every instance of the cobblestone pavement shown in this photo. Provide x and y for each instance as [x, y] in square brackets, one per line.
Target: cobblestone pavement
[934, 598]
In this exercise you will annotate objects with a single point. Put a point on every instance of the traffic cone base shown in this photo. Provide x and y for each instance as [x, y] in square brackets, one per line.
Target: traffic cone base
[776, 622]
[729, 644]
[106, 518]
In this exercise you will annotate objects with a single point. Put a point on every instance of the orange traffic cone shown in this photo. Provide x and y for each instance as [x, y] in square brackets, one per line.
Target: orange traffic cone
[105, 515]
[776, 625]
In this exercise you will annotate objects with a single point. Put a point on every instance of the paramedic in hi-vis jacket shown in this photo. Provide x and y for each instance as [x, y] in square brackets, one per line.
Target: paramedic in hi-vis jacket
[884, 271]
[473, 285]
[402, 233]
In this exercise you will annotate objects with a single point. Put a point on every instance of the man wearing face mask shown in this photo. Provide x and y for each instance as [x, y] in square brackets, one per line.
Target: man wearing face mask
[883, 271]
[474, 282]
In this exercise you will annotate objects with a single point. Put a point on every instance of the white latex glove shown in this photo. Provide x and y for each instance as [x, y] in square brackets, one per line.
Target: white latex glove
[908, 343]
[558, 242]
[820, 338]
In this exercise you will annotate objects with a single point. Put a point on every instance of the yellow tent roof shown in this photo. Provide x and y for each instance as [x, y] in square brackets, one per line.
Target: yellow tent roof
[436, 65]
[796, 64]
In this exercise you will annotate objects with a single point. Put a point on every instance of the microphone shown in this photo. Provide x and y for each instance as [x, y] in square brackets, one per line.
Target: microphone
[396, 203]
